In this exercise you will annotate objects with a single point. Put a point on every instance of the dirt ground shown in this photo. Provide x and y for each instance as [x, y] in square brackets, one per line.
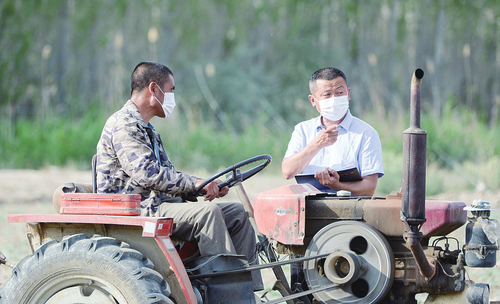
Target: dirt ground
[30, 191]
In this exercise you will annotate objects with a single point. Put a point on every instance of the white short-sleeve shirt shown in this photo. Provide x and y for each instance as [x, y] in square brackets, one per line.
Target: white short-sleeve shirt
[358, 145]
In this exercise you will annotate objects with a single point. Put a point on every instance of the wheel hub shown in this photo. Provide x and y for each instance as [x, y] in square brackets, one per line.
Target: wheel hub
[344, 267]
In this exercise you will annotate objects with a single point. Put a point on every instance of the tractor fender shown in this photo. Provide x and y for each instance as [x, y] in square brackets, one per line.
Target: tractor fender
[148, 235]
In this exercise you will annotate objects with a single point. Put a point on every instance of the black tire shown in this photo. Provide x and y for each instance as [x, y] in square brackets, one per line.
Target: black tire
[85, 270]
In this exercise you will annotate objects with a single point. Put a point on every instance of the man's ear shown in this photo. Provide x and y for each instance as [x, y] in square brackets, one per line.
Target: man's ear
[151, 87]
[313, 100]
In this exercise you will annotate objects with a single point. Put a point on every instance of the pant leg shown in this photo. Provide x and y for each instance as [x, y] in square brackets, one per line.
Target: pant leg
[243, 236]
[200, 222]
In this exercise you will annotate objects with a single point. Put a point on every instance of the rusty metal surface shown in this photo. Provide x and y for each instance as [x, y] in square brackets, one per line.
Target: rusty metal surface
[333, 208]
[383, 214]
[321, 211]
[442, 217]
[413, 190]
[280, 213]
[408, 281]
[427, 266]
[414, 158]
[35, 235]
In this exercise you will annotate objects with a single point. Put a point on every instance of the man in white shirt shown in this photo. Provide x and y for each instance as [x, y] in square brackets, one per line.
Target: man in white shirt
[335, 140]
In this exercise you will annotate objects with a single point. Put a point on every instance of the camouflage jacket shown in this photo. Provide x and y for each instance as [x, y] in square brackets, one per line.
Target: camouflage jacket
[129, 161]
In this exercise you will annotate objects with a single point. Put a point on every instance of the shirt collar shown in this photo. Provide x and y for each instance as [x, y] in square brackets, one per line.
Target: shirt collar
[134, 111]
[344, 124]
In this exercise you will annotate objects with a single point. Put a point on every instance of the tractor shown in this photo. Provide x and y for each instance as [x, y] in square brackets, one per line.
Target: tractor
[351, 249]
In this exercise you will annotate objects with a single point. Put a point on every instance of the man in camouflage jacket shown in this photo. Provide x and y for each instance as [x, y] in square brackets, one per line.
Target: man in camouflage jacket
[132, 159]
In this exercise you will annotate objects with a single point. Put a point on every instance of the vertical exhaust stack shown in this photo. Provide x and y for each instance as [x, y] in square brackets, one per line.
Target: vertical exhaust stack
[414, 164]
[414, 159]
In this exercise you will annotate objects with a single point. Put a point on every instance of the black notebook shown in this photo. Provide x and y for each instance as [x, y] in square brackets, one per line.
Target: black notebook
[349, 175]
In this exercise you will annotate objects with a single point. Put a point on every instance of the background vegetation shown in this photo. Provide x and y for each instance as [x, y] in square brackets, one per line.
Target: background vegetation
[241, 70]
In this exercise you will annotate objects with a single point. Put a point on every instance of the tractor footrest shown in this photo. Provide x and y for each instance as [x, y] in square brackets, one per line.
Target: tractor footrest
[226, 287]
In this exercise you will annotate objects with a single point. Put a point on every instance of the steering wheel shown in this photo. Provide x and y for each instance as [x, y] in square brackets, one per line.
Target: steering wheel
[237, 176]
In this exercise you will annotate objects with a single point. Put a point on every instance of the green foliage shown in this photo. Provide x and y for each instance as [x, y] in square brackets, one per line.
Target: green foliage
[458, 136]
[462, 152]
[60, 141]
[204, 147]
[253, 59]
[391, 182]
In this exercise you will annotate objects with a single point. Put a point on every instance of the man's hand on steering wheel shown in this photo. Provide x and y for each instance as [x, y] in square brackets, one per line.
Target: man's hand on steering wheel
[211, 190]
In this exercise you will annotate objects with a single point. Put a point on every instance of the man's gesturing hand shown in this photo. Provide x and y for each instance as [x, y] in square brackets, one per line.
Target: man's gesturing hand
[327, 137]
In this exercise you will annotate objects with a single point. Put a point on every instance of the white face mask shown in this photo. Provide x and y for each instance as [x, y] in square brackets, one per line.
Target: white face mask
[334, 108]
[168, 102]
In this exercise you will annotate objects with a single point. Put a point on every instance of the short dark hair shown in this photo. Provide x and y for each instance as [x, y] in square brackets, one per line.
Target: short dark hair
[325, 74]
[147, 72]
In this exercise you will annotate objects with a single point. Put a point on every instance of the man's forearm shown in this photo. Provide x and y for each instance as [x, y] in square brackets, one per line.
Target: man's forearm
[296, 163]
[364, 187]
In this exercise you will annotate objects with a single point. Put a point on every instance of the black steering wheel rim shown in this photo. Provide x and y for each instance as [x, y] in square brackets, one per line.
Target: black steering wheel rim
[237, 177]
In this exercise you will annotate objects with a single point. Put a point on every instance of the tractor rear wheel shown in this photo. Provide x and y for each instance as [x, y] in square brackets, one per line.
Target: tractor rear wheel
[85, 270]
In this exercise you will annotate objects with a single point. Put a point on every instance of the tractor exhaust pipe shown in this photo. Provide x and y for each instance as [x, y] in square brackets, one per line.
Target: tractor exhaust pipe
[414, 163]
[414, 159]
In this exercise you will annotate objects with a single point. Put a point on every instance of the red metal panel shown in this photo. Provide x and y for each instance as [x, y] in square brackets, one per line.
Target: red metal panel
[175, 261]
[89, 219]
[441, 217]
[105, 204]
[280, 213]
